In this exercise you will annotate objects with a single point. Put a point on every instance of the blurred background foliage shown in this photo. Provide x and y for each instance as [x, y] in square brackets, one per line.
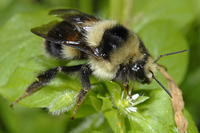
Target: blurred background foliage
[185, 15]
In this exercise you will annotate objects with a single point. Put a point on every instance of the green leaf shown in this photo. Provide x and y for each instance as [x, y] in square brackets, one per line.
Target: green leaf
[191, 91]
[111, 117]
[191, 125]
[181, 12]
[10, 7]
[93, 123]
[106, 103]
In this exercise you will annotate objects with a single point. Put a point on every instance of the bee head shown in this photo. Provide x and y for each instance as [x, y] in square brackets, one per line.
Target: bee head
[143, 71]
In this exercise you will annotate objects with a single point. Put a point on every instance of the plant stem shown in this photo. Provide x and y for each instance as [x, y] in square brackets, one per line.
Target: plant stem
[120, 123]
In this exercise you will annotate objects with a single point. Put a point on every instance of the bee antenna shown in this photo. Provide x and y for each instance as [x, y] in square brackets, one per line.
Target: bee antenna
[169, 54]
[161, 84]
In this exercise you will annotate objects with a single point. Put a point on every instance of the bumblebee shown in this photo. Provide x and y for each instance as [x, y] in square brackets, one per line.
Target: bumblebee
[112, 52]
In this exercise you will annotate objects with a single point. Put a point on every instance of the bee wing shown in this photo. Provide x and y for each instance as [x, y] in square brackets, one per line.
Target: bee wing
[73, 15]
[68, 32]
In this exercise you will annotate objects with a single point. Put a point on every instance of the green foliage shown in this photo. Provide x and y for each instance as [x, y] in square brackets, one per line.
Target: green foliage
[164, 27]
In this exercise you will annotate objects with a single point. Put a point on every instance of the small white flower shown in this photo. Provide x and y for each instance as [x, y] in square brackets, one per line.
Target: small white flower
[131, 102]
[128, 105]
[134, 97]
[128, 102]
[131, 109]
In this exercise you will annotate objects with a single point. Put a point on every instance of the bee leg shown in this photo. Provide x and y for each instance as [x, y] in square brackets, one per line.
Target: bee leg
[125, 79]
[44, 78]
[85, 81]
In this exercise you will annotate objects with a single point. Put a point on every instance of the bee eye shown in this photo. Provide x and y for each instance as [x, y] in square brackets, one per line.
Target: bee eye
[140, 73]
[137, 72]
